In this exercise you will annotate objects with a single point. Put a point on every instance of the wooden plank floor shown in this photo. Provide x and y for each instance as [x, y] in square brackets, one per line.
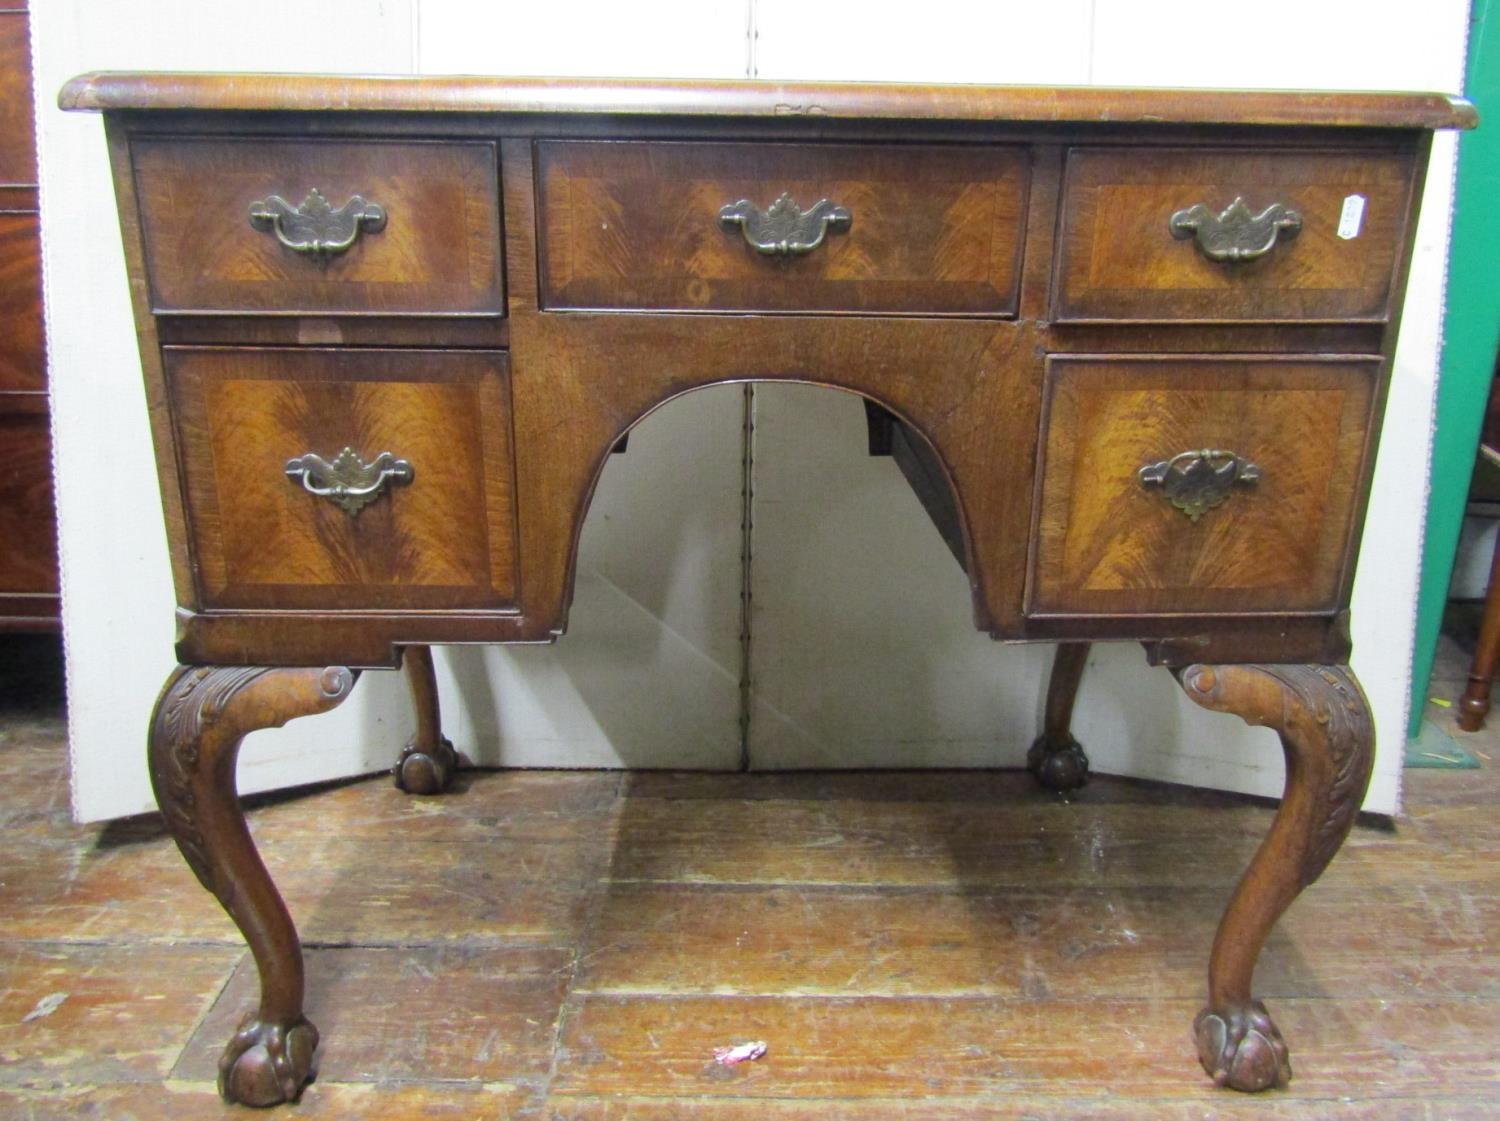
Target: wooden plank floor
[571, 947]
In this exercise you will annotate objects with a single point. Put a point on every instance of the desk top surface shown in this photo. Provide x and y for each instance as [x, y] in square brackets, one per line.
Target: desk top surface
[839, 100]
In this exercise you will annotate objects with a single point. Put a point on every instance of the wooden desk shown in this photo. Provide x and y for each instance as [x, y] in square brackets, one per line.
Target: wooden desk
[1133, 345]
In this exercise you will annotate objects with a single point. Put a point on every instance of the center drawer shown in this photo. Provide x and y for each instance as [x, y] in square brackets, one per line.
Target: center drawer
[886, 229]
[346, 480]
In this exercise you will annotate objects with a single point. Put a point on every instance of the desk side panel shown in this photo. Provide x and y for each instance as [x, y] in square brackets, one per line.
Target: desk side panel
[163, 439]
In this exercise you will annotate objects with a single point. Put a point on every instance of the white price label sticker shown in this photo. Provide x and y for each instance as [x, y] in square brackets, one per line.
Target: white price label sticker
[1352, 217]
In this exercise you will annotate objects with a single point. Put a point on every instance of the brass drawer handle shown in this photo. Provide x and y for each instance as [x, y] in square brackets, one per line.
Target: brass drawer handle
[1235, 234]
[1197, 481]
[315, 227]
[785, 228]
[348, 482]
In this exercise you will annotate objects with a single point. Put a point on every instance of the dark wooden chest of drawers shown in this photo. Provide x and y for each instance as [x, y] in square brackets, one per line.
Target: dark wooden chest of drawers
[1133, 347]
[28, 533]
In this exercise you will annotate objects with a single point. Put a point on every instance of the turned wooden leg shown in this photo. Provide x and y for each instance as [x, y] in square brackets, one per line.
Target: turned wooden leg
[1475, 703]
[427, 764]
[200, 718]
[1324, 723]
[1056, 758]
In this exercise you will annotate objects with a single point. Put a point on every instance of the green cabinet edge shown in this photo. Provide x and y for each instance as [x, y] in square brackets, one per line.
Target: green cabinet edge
[1471, 334]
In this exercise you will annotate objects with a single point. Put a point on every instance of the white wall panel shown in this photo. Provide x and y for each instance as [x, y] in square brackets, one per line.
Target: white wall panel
[863, 647]
[648, 674]
[996, 41]
[584, 38]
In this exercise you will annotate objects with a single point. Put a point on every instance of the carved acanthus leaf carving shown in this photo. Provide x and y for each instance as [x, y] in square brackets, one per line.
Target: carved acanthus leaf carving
[197, 698]
[1319, 706]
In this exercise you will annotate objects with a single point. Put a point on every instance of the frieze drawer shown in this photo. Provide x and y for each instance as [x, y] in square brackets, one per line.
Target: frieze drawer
[1231, 235]
[886, 229]
[326, 227]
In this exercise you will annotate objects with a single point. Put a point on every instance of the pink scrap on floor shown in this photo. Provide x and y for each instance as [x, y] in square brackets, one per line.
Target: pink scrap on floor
[739, 1053]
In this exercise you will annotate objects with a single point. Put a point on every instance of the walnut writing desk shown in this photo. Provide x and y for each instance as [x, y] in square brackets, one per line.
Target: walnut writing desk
[1131, 347]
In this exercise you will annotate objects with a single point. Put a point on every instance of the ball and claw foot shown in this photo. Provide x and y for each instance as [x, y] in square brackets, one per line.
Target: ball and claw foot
[1241, 1048]
[426, 772]
[267, 1064]
[1061, 767]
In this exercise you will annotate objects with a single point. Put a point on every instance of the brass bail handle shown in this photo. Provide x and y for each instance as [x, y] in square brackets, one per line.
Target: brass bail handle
[1235, 233]
[1197, 481]
[784, 229]
[347, 481]
[313, 227]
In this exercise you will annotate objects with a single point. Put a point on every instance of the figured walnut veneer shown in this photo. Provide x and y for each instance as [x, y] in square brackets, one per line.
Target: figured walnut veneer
[1048, 298]
[28, 561]
[631, 225]
[1117, 261]
[23, 365]
[1105, 543]
[446, 540]
[439, 253]
[17, 141]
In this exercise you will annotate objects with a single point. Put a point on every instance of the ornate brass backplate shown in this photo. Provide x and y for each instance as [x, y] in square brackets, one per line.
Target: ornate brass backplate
[1235, 234]
[348, 481]
[314, 226]
[1197, 481]
[785, 229]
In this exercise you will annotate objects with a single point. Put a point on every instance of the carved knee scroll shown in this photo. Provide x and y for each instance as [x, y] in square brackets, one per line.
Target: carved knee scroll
[1324, 723]
[200, 719]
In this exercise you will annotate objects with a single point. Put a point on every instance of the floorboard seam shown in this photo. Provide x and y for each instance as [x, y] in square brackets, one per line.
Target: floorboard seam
[203, 1014]
[592, 914]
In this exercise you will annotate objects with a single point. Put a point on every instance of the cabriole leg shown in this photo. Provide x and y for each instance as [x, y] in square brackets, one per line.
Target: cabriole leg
[1324, 723]
[427, 764]
[200, 719]
[1056, 758]
[1474, 705]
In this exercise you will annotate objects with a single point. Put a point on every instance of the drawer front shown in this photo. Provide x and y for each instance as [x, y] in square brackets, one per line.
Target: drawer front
[921, 230]
[1330, 254]
[28, 522]
[23, 363]
[1133, 520]
[17, 143]
[436, 530]
[426, 240]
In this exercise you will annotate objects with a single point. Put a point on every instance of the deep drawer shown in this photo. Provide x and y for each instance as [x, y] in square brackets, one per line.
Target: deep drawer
[429, 525]
[23, 363]
[395, 228]
[28, 521]
[17, 143]
[1133, 518]
[905, 230]
[1157, 235]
